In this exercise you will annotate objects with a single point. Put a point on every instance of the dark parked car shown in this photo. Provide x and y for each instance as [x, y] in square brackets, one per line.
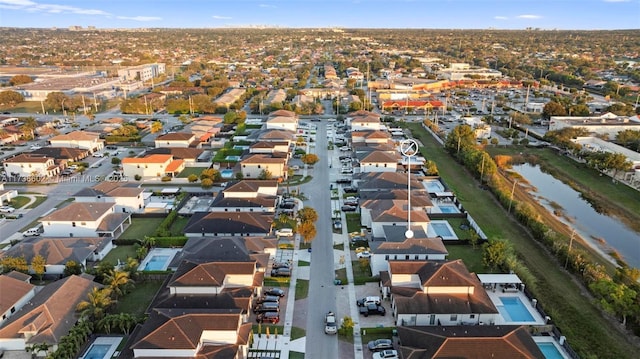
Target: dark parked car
[287, 205]
[268, 298]
[372, 309]
[268, 317]
[275, 291]
[344, 180]
[277, 265]
[281, 272]
[346, 208]
[266, 307]
[350, 190]
[380, 344]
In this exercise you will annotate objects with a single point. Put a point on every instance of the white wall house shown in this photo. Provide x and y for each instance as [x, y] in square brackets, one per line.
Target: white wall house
[396, 217]
[253, 165]
[16, 293]
[28, 165]
[84, 219]
[175, 139]
[126, 198]
[414, 249]
[79, 139]
[152, 166]
[283, 123]
[378, 161]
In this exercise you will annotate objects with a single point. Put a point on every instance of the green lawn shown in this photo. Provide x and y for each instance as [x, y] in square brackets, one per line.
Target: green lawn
[137, 301]
[276, 282]
[189, 171]
[578, 318]
[27, 107]
[178, 225]
[369, 334]
[19, 201]
[472, 258]
[141, 227]
[353, 222]
[295, 355]
[341, 275]
[297, 332]
[302, 288]
[303, 264]
[37, 202]
[361, 271]
[121, 253]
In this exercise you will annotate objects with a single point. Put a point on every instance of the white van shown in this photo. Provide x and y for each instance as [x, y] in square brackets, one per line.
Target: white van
[31, 232]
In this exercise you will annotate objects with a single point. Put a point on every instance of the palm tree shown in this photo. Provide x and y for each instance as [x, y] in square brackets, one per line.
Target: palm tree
[94, 308]
[126, 322]
[118, 282]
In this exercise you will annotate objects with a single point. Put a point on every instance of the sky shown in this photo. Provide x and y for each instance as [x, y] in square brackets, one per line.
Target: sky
[416, 14]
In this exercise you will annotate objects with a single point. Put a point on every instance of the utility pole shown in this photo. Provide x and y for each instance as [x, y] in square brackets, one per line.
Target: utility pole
[95, 102]
[84, 106]
[42, 105]
[573, 233]
[146, 107]
[513, 189]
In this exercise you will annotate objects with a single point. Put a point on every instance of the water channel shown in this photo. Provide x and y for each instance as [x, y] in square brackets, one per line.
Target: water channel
[586, 221]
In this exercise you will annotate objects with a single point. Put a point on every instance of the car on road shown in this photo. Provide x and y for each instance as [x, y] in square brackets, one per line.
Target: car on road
[386, 354]
[284, 232]
[368, 300]
[275, 291]
[268, 317]
[372, 309]
[98, 154]
[330, 325]
[7, 209]
[364, 254]
[35, 147]
[347, 208]
[31, 232]
[380, 344]
[281, 272]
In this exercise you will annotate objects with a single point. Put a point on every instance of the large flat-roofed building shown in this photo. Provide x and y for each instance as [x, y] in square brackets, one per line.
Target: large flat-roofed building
[595, 144]
[461, 71]
[38, 91]
[141, 72]
[607, 124]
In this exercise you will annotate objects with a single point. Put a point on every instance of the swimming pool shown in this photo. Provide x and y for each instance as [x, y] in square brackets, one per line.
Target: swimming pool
[157, 263]
[226, 173]
[232, 158]
[98, 351]
[448, 208]
[513, 310]
[434, 186]
[550, 351]
[240, 147]
[442, 229]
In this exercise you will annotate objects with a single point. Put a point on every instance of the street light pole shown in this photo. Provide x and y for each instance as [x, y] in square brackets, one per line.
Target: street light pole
[513, 189]
[573, 232]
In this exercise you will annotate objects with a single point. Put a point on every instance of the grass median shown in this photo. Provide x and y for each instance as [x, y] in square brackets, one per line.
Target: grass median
[586, 329]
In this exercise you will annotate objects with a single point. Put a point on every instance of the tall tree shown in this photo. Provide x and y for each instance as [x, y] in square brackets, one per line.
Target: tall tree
[553, 108]
[307, 230]
[20, 80]
[118, 282]
[308, 214]
[10, 98]
[38, 264]
[310, 159]
[55, 101]
[96, 305]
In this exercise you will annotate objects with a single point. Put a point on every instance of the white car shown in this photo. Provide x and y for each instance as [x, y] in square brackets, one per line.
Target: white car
[35, 147]
[330, 325]
[364, 254]
[284, 232]
[98, 154]
[386, 354]
[7, 209]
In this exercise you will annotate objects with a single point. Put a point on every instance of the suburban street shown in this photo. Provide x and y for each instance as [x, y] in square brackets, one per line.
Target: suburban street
[322, 291]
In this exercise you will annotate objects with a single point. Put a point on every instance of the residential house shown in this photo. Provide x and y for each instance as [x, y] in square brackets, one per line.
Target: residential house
[378, 161]
[152, 166]
[364, 121]
[436, 293]
[400, 248]
[31, 166]
[85, 219]
[608, 124]
[79, 139]
[49, 315]
[269, 147]
[245, 196]
[289, 123]
[382, 201]
[16, 292]
[128, 197]
[62, 155]
[214, 224]
[396, 216]
[58, 251]
[485, 341]
[272, 136]
[193, 333]
[371, 137]
[176, 139]
[255, 166]
[227, 99]
[7, 195]
[385, 181]
[190, 156]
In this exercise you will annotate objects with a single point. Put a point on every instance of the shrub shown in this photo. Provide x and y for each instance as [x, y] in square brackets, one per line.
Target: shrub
[137, 177]
[192, 178]
[207, 183]
[165, 179]
[115, 161]
[176, 241]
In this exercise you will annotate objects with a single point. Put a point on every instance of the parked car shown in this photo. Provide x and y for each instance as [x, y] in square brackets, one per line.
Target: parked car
[372, 309]
[31, 232]
[345, 148]
[346, 170]
[344, 180]
[368, 300]
[281, 272]
[275, 291]
[277, 265]
[380, 344]
[362, 249]
[337, 224]
[347, 208]
[7, 209]
[268, 317]
[98, 154]
[330, 325]
[386, 354]
[66, 172]
[266, 307]
[287, 205]
[364, 254]
[350, 190]
[268, 298]
[351, 203]
[284, 232]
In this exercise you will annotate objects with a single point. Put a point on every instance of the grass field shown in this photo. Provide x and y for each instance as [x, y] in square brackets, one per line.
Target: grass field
[120, 253]
[587, 331]
[137, 301]
[189, 171]
[37, 202]
[19, 202]
[28, 107]
[178, 225]
[353, 222]
[302, 289]
[141, 227]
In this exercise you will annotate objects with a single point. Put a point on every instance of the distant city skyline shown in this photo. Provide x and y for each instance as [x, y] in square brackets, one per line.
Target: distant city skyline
[416, 14]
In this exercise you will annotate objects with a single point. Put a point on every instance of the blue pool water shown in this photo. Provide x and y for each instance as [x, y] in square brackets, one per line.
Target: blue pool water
[513, 310]
[550, 351]
[98, 351]
[434, 186]
[240, 147]
[449, 209]
[157, 263]
[232, 158]
[226, 173]
[442, 229]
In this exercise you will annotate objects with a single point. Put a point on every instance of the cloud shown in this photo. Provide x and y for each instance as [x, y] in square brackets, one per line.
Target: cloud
[500, 17]
[140, 18]
[218, 17]
[31, 6]
[529, 17]
[267, 5]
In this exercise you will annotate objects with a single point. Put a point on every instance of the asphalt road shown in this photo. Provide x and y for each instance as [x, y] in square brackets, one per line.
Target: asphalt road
[322, 291]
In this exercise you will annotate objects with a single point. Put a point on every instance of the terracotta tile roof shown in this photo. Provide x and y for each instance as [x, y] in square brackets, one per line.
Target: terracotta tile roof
[371, 134]
[361, 113]
[51, 312]
[482, 341]
[261, 158]
[178, 152]
[379, 157]
[174, 165]
[76, 136]
[396, 213]
[12, 291]
[379, 200]
[57, 251]
[175, 136]
[413, 246]
[229, 222]
[111, 189]
[365, 119]
[28, 158]
[65, 153]
[23, 277]
[79, 211]
[385, 181]
[285, 113]
[148, 159]
[259, 202]
[282, 119]
[209, 274]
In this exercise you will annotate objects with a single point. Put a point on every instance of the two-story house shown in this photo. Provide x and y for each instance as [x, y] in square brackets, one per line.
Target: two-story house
[383, 200]
[214, 224]
[378, 161]
[175, 139]
[435, 293]
[396, 216]
[128, 197]
[289, 123]
[79, 139]
[364, 121]
[85, 219]
[29, 165]
[255, 166]
[371, 137]
[247, 196]
[419, 248]
[152, 166]
[16, 292]
[269, 147]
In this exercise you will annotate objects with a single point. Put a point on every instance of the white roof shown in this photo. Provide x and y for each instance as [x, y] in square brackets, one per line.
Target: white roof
[171, 190]
[499, 278]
